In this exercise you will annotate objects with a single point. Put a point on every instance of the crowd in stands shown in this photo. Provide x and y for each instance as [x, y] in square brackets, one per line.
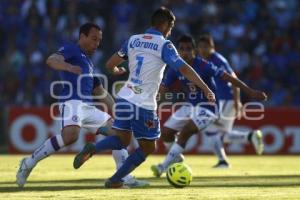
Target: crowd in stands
[260, 38]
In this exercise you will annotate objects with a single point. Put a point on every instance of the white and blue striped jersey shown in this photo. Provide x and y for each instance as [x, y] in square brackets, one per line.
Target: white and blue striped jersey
[147, 55]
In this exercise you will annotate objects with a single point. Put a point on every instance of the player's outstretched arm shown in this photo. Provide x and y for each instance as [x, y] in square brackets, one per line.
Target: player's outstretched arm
[57, 62]
[255, 94]
[161, 94]
[112, 65]
[192, 76]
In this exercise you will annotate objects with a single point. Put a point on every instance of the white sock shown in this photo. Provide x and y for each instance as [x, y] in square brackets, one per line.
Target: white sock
[218, 147]
[236, 137]
[50, 146]
[175, 150]
[168, 145]
[120, 156]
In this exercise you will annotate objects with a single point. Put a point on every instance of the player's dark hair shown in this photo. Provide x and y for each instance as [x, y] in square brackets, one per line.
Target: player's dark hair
[162, 15]
[186, 38]
[85, 28]
[206, 38]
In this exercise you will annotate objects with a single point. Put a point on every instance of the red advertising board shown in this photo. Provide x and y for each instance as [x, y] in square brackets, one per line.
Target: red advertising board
[30, 127]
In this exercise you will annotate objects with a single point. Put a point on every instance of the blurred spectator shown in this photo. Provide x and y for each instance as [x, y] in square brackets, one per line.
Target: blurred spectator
[239, 60]
[260, 39]
[123, 13]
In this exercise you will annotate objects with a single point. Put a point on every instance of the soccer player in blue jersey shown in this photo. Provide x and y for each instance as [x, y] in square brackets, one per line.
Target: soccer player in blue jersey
[230, 107]
[76, 100]
[198, 114]
[135, 110]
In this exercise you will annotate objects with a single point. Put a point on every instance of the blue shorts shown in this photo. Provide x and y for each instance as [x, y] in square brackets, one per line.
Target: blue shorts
[142, 122]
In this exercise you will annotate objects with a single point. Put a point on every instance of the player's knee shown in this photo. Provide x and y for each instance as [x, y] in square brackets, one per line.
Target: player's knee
[147, 146]
[125, 137]
[106, 129]
[70, 134]
[152, 148]
[70, 139]
[188, 130]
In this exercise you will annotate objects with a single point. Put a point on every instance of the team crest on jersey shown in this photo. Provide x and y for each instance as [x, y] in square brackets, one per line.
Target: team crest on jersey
[150, 123]
[75, 118]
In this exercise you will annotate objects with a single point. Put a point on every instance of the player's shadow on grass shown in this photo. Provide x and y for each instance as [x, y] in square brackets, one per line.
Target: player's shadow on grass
[198, 182]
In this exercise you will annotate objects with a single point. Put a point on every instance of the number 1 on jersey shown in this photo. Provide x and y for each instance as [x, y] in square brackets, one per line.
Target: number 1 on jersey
[139, 64]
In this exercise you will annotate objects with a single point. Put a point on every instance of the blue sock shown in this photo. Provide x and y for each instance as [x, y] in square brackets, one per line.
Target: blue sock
[134, 160]
[109, 143]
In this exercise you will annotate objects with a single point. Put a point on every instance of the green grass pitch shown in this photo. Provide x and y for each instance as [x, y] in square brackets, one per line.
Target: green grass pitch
[250, 177]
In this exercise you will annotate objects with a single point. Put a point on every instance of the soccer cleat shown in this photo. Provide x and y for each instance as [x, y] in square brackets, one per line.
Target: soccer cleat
[257, 141]
[88, 150]
[117, 185]
[23, 173]
[135, 183]
[157, 170]
[222, 164]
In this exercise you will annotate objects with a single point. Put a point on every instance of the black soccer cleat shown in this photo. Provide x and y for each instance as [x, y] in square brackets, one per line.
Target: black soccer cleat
[88, 151]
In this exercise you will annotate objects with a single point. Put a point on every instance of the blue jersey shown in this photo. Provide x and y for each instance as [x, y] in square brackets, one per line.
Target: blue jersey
[77, 87]
[224, 89]
[206, 70]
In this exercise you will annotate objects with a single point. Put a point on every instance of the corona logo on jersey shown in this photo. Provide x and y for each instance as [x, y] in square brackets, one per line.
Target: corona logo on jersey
[142, 44]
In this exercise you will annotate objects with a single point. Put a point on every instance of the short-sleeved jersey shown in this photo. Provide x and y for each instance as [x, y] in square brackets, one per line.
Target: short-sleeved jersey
[224, 89]
[194, 95]
[147, 55]
[77, 87]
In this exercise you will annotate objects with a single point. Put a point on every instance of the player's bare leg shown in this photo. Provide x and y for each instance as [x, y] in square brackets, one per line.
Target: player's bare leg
[216, 142]
[146, 147]
[177, 148]
[169, 137]
[119, 155]
[254, 137]
[69, 135]
[124, 138]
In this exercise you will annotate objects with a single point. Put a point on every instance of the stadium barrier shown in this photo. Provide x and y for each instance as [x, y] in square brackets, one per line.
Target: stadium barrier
[30, 127]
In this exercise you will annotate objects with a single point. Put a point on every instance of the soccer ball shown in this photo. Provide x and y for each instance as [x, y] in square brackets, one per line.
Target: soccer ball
[179, 175]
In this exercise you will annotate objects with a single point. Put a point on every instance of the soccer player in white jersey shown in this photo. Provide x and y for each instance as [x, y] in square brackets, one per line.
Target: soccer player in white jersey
[230, 107]
[135, 110]
[196, 115]
[76, 102]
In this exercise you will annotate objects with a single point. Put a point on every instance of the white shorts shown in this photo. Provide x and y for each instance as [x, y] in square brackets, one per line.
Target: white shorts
[78, 113]
[226, 117]
[201, 117]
